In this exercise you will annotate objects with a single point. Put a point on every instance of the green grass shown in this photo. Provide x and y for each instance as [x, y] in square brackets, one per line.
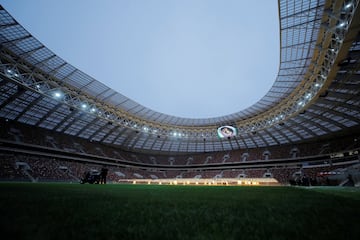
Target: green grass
[74, 211]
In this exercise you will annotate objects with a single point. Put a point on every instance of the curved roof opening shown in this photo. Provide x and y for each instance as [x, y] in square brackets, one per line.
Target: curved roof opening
[192, 59]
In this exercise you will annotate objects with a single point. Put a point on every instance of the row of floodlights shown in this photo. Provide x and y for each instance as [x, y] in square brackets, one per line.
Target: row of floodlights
[84, 106]
[317, 85]
[347, 7]
[12, 73]
[300, 104]
[59, 95]
[192, 182]
[56, 94]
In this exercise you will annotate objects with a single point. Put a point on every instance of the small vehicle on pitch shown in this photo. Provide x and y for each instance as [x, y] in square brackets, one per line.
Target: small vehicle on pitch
[91, 177]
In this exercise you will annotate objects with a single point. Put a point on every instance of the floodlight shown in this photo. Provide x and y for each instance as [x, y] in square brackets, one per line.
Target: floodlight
[349, 5]
[57, 94]
[342, 24]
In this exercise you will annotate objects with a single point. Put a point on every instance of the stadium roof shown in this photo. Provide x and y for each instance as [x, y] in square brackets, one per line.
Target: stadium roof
[315, 93]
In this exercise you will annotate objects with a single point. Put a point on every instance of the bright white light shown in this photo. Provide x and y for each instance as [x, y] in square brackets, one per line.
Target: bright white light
[317, 85]
[308, 95]
[93, 110]
[9, 71]
[301, 103]
[16, 75]
[83, 105]
[176, 134]
[342, 24]
[57, 94]
[347, 6]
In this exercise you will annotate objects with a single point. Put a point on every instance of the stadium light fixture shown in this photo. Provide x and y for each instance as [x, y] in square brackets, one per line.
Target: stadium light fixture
[342, 24]
[348, 5]
[57, 94]
[11, 73]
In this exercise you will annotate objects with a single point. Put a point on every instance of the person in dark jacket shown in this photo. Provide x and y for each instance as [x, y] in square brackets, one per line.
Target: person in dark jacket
[103, 175]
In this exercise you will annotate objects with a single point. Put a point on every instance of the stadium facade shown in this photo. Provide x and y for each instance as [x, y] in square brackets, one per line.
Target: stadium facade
[309, 117]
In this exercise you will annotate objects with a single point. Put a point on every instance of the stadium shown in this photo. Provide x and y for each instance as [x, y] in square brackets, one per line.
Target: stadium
[237, 176]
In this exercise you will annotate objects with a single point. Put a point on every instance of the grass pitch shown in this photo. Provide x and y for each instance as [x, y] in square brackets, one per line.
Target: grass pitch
[74, 211]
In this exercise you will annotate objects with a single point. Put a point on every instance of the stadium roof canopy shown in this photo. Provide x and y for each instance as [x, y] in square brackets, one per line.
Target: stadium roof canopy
[316, 92]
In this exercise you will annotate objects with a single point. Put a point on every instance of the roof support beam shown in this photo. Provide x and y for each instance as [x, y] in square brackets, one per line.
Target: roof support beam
[120, 133]
[87, 126]
[51, 111]
[19, 92]
[309, 131]
[100, 130]
[33, 103]
[65, 119]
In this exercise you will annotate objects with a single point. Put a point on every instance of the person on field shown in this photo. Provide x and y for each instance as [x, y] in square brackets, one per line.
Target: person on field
[103, 175]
